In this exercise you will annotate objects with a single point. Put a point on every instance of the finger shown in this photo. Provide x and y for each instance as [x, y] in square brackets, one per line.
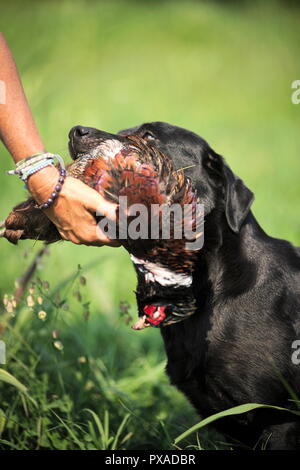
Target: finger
[109, 242]
[63, 235]
[89, 232]
[94, 236]
[69, 237]
[90, 236]
[97, 203]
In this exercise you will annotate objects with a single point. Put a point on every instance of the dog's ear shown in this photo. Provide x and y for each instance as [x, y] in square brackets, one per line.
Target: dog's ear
[238, 198]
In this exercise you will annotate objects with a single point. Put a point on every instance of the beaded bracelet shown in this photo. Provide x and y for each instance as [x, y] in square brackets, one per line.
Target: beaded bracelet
[54, 194]
[30, 165]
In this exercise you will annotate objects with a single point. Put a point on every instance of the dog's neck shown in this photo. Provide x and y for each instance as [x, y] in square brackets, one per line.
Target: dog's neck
[227, 257]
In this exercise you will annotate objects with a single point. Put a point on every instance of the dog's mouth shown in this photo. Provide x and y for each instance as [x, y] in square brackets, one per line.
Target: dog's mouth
[72, 150]
[121, 164]
[85, 141]
[106, 149]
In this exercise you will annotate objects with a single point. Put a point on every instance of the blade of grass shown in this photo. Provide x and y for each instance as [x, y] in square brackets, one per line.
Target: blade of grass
[10, 444]
[2, 421]
[106, 426]
[73, 436]
[10, 379]
[119, 432]
[236, 410]
[98, 424]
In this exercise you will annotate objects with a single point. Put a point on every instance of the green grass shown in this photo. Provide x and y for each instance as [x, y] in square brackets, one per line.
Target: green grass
[82, 376]
[220, 69]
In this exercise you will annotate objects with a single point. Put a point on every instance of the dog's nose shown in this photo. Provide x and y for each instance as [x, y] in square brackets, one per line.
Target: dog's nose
[79, 131]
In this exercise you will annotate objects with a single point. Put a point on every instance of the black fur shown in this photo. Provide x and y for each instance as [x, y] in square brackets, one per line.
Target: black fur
[237, 348]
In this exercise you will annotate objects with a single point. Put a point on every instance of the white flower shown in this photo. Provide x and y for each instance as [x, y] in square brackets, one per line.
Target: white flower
[42, 315]
[58, 345]
[30, 301]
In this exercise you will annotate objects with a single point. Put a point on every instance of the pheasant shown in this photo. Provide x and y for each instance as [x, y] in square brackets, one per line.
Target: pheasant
[146, 179]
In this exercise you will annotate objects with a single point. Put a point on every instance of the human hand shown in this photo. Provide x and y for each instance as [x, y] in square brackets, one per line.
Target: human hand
[72, 212]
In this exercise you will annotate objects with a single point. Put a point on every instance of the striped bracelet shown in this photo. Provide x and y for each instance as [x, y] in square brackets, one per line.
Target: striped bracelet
[36, 167]
[30, 165]
[24, 167]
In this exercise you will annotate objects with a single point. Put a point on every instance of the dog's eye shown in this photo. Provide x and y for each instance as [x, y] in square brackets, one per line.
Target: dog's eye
[148, 136]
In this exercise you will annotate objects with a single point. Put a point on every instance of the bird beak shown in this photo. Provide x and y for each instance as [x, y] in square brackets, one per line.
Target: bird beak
[141, 323]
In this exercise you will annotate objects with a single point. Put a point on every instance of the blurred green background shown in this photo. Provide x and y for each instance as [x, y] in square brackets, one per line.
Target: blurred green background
[221, 69]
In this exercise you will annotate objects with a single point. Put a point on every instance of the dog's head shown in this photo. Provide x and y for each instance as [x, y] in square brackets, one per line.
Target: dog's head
[218, 187]
[219, 190]
[129, 165]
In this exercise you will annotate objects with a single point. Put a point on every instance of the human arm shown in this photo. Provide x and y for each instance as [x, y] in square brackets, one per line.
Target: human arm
[72, 212]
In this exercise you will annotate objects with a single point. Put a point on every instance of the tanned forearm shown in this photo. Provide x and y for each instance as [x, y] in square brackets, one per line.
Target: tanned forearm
[15, 113]
[72, 212]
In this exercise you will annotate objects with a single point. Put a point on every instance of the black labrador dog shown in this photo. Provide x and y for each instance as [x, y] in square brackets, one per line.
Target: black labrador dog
[238, 347]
